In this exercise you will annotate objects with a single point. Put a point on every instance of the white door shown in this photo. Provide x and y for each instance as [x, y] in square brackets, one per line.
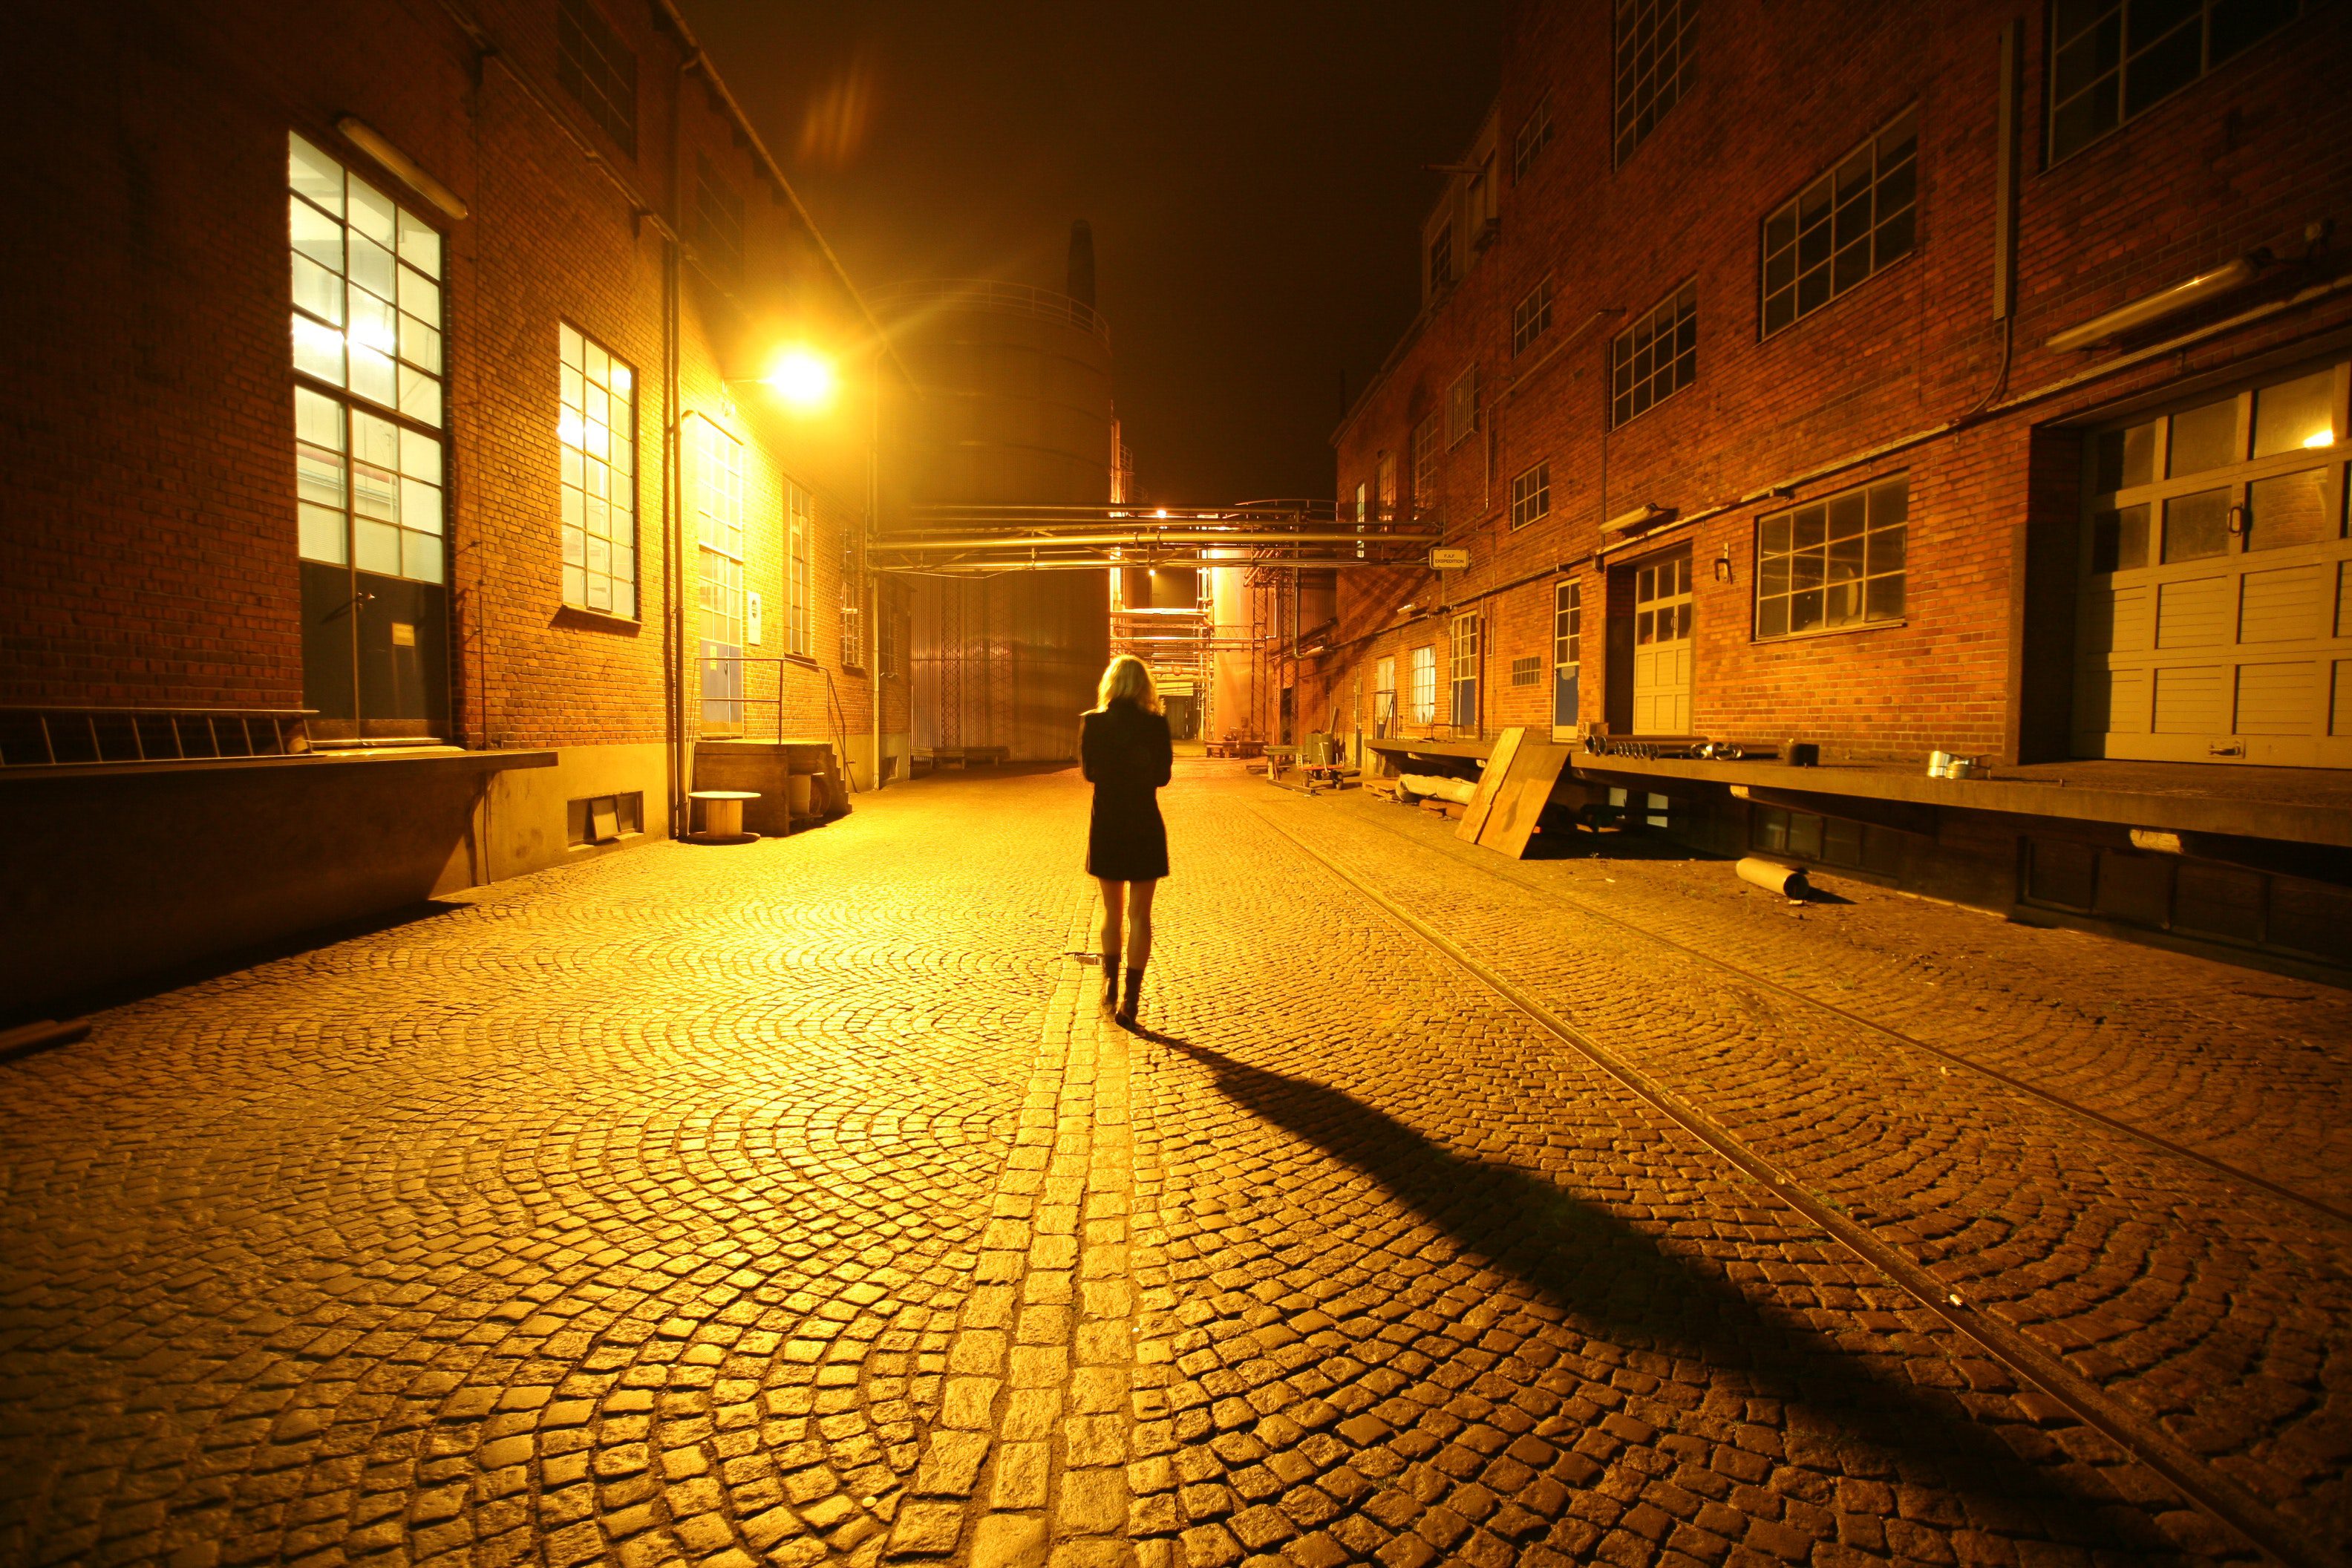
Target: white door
[1662, 646]
[2216, 620]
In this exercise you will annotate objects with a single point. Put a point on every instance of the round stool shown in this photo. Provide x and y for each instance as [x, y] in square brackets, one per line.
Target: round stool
[723, 815]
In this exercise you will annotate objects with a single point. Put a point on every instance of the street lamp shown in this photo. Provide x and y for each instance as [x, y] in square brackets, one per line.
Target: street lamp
[803, 378]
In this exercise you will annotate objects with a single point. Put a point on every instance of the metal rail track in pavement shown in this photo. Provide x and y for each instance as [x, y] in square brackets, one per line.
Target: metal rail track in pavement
[2051, 1098]
[2199, 1482]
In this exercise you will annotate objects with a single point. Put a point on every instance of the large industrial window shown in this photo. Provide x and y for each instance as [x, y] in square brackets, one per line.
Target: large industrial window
[1441, 259]
[1833, 563]
[1531, 495]
[1532, 318]
[1462, 407]
[1535, 131]
[1385, 495]
[597, 434]
[1426, 438]
[1567, 630]
[1384, 697]
[1422, 700]
[1650, 60]
[2110, 59]
[1853, 221]
[367, 358]
[1462, 670]
[597, 69]
[800, 512]
[717, 220]
[716, 487]
[1655, 357]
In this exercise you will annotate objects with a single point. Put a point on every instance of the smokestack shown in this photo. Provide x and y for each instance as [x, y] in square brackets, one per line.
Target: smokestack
[1082, 263]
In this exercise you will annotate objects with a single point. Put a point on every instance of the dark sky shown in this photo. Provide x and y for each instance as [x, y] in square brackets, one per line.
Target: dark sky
[1253, 172]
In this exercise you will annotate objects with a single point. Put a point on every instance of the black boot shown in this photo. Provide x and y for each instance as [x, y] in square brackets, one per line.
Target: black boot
[1110, 979]
[1125, 1013]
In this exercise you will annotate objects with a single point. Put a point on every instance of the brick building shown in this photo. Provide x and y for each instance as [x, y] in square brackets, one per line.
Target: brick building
[395, 501]
[1895, 379]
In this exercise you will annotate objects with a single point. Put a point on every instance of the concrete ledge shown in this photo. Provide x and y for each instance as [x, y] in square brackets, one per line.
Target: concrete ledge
[115, 873]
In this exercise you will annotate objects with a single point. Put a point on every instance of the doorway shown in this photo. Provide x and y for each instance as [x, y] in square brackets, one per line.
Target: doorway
[1662, 645]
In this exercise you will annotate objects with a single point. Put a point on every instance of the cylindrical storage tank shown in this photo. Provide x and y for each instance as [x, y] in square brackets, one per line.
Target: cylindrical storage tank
[1015, 410]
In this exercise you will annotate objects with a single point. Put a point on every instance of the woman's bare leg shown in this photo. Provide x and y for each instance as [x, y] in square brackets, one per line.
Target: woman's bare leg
[1139, 923]
[1112, 899]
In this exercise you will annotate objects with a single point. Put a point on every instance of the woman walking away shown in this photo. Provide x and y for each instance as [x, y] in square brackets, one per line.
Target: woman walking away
[1124, 748]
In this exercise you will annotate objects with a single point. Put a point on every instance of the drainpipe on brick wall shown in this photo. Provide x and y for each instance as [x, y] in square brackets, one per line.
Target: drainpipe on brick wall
[873, 577]
[681, 753]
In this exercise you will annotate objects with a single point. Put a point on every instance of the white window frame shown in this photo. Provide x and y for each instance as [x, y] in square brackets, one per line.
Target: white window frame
[1650, 61]
[800, 522]
[1531, 317]
[1422, 700]
[1849, 223]
[1462, 407]
[1862, 583]
[1650, 361]
[595, 433]
[1531, 495]
[1384, 696]
[1428, 446]
[1462, 667]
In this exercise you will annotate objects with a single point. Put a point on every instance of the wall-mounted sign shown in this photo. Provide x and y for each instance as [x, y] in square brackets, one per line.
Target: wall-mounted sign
[1449, 560]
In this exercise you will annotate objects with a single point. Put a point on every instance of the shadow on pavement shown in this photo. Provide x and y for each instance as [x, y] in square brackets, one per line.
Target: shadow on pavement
[1618, 1284]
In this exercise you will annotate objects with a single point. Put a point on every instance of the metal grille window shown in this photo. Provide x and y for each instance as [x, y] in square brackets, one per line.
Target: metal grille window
[717, 220]
[1422, 702]
[598, 70]
[1655, 357]
[1851, 222]
[367, 358]
[1532, 318]
[2110, 59]
[1462, 407]
[1527, 671]
[1535, 131]
[595, 431]
[800, 520]
[1463, 668]
[1531, 495]
[1650, 61]
[1834, 563]
[1425, 446]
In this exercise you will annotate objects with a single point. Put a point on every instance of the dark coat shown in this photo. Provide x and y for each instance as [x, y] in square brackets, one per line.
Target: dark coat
[1124, 750]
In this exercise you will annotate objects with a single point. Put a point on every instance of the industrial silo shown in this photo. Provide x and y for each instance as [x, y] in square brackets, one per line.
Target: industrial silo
[1015, 409]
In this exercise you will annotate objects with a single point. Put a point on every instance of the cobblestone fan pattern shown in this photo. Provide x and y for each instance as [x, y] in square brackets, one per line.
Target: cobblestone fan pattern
[2220, 1309]
[793, 1203]
[622, 1216]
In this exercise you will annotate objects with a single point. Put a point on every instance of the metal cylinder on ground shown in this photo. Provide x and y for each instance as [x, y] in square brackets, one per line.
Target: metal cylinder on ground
[1789, 881]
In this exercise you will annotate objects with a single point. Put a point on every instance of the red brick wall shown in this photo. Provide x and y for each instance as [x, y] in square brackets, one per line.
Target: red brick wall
[2242, 159]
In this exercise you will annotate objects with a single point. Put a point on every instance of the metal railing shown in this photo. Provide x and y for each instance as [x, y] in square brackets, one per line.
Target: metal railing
[981, 293]
[43, 737]
[732, 684]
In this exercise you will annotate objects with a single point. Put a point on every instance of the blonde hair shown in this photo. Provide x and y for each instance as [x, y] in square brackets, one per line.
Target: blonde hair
[1128, 676]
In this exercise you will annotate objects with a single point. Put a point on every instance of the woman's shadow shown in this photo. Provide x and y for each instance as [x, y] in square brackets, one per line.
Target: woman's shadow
[1617, 1283]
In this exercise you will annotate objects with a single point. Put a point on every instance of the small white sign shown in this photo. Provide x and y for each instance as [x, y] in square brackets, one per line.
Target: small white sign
[1449, 560]
[752, 619]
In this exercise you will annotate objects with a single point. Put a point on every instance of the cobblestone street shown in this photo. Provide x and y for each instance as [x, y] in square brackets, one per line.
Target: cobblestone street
[793, 1203]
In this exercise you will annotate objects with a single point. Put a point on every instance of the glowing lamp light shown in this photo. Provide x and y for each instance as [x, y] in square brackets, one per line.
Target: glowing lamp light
[2322, 439]
[803, 378]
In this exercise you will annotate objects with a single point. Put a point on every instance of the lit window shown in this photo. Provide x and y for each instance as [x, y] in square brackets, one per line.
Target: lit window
[1535, 131]
[1650, 61]
[1422, 700]
[1833, 563]
[1462, 407]
[1532, 318]
[598, 70]
[715, 491]
[367, 362]
[1531, 495]
[2110, 59]
[1655, 357]
[801, 517]
[597, 434]
[1853, 221]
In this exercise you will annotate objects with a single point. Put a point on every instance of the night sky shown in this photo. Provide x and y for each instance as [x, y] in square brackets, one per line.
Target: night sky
[1253, 172]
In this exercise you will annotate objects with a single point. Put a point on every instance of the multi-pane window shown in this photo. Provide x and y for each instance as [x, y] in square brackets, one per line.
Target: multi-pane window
[1651, 58]
[597, 69]
[717, 220]
[1567, 627]
[2112, 59]
[1440, 257]
[1462, 407]
[1532, 318]
[715, 466]
[801, 527]
[853, 634]
[1655, 357]
[1421, 700]
[1426, 443]
[1384, 697]
[1385, 495]
[1833, 563]
[367, 350]
[596, 432]
[1461, 669]
[1850, 223]
[1535, 131]
[1531, 495]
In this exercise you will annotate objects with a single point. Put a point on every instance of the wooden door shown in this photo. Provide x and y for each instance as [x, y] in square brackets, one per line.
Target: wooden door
[1662, 646]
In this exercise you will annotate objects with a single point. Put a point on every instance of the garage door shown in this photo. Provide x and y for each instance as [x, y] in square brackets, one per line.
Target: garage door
[2216, 619]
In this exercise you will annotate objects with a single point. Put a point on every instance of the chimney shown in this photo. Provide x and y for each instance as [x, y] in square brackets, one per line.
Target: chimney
[1082, 263]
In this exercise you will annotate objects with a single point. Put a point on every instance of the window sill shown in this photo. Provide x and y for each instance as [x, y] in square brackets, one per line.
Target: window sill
[1827, 632]
[589, 620]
